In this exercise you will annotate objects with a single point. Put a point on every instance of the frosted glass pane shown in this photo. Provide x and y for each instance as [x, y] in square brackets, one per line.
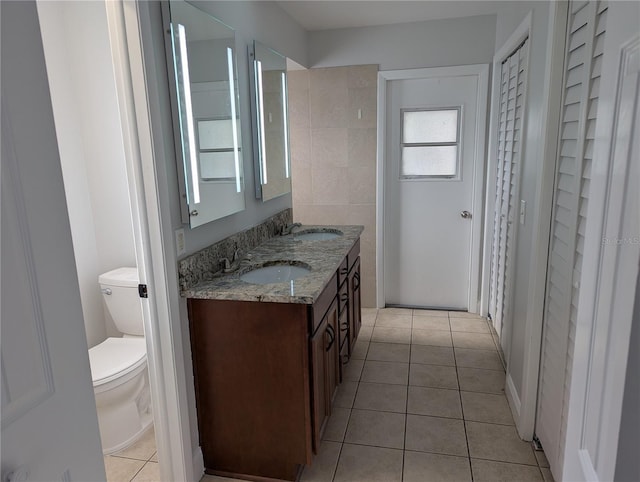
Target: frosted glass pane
[430, 126]
[215, 134]
[429, 161]
[216, 165]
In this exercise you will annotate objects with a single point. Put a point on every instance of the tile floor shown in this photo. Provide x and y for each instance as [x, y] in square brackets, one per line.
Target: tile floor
[423, 400]
[138, 463]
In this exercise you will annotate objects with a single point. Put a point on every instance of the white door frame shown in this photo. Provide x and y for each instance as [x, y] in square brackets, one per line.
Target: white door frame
[481, 71]
[610, 269]
[155, 255]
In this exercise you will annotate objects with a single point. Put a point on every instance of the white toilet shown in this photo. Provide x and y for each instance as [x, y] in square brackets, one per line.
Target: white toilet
[119, 365]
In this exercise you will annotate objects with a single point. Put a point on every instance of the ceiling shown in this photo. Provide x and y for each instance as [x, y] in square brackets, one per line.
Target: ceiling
[332, 14]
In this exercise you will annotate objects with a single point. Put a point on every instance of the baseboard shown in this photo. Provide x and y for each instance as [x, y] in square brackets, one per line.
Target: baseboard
[513, 399]
[198, 464]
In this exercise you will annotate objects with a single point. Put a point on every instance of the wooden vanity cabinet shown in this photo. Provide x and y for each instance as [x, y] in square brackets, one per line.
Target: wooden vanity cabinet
[355, 305]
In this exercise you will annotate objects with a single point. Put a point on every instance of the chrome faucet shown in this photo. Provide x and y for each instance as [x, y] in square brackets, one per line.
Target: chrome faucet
[287, 228]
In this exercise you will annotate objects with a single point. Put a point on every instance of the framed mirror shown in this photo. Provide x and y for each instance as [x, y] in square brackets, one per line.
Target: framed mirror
[206, 112]
[270, 122]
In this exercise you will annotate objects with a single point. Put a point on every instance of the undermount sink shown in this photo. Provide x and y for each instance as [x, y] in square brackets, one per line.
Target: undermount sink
[317, 234]
[276, 272]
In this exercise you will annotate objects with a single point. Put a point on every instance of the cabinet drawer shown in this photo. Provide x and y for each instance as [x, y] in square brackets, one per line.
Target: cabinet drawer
[352, 257]
[343, 327]
[343, 271]
[323, 302]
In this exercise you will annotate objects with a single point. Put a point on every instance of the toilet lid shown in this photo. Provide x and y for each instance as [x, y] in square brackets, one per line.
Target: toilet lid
[115, 357]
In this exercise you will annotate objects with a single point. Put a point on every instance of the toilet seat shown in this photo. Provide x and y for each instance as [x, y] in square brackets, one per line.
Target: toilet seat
[115, 358]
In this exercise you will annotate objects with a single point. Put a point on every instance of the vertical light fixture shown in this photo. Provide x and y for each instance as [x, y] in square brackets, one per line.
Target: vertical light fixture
[263, 153]
[285, 121]
[234, 120]
[186, 90]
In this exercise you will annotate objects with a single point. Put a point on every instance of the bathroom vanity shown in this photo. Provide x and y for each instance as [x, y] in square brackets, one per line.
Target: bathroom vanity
[268, 358]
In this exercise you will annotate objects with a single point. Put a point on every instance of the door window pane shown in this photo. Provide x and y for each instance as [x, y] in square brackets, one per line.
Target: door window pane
[429, 126]
[429, 161]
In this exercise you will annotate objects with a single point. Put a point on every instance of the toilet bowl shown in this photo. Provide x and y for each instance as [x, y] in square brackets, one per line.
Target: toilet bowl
[119, 366]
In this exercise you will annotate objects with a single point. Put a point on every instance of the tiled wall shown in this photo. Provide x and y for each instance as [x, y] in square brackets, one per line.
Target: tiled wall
[333, 154]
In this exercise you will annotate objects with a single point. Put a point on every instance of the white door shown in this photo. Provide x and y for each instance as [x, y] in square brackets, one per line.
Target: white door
[431, 164]
[513, 76]
[49, 422]
[584, 48]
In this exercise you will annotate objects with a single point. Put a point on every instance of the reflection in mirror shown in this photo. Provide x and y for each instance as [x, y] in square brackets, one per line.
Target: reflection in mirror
[271, 124]
[207, 114]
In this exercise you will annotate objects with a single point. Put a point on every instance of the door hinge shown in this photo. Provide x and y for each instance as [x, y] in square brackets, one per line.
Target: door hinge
[142, 291]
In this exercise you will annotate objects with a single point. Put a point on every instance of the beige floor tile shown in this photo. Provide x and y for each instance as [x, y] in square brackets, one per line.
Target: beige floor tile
[337, 424]
[120, 469]
[142, 449]
[478, 341]
[470, 358]
[420, 466]
[436, 435]
[481, 380]
[392, 320]
[434, 402]
[489, 471]
[149, 473]
[486, 407]
[154, 458]
[391, 335]
[431, 337]
[498, 442]
[352, 371]
[385, 372]
[464, 314]
[369, 316]
[440, 313]
[435, 376]
[396, 311]
[381, 396]
[541, 458]
[324, 464]
[360, 463]
[360, 350]
[470, 325]
[345, 395]
[432, 355]
[394, 352]
[431, 323]
[546, 474]
[381, 429]
[365, 333]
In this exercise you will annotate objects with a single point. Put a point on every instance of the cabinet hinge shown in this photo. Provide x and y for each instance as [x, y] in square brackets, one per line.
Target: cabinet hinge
[142, 291]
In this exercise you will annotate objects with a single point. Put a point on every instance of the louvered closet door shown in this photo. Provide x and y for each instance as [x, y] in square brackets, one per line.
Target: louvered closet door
[512, 102]
[583, 62]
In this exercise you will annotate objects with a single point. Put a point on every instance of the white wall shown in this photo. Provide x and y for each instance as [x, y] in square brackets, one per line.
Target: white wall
[81, 79]
[433, 43]
[509, 17]
[262, 21]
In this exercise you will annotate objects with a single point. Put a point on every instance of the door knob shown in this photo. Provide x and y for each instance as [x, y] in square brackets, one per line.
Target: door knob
[465, 214]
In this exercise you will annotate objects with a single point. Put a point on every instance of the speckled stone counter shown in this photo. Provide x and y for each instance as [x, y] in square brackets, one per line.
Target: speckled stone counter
[323, 258]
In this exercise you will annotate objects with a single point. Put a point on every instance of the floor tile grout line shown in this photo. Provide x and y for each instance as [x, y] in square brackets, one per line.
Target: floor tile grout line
[464, 425]
[140, 470]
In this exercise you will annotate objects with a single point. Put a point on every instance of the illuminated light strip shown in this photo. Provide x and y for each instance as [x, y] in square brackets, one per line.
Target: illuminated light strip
[191, 136]
[287, 161]
[263, 153]
[234, 122]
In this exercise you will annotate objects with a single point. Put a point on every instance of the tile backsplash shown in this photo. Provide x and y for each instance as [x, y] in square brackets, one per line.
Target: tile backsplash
[199, 266]
[333, 118]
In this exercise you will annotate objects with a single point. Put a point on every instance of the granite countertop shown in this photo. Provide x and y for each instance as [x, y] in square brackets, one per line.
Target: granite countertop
[323, 257]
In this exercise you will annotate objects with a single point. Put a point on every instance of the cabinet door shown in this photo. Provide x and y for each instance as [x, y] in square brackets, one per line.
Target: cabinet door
[355, 316]
[332, 354]
[318, 356]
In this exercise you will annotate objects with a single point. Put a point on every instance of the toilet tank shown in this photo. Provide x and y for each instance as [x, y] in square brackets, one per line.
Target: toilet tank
[120, 293]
